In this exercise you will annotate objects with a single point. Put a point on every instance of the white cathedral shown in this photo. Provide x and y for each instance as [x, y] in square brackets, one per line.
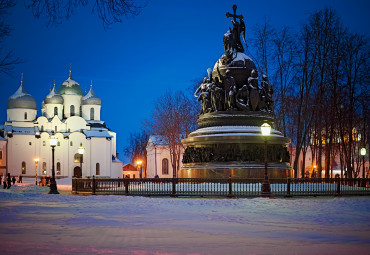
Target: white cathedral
[84, 141]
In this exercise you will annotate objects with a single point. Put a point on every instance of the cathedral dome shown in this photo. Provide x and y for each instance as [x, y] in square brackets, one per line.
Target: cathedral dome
[54, 97]
[70, 87]
[91, 98]
[240, 66]
[21, 99]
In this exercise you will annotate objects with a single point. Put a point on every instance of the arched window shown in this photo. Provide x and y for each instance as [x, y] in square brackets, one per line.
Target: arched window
[78, 158]
[23, 167]
[58, 168]
[97, 169]
[72, 110]
[43, 143]
[25, 115]
[165, 166]
[71, 144]
[81, 111]
[55, 110]
[91, 113]
[44, 168]
[56, 129]
[42, 128]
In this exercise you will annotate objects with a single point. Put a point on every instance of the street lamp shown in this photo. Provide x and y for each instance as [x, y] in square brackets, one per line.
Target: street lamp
[363, 154]
[53, 185]
[81, 151]
[139, 163]
[266, 189]
[36, 163]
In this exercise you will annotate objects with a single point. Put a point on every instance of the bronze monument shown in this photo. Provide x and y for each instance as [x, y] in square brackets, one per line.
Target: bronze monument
[234, 104]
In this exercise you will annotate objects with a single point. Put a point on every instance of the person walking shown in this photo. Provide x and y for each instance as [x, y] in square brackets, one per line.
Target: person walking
[13, 179]
[8, 181]
[4, 181]
[20, 178]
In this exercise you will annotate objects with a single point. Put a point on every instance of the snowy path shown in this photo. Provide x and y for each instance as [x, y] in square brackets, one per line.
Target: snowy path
[33, 222]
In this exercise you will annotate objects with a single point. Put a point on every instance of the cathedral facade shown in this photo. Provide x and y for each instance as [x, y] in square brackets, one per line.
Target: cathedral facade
[85, 146]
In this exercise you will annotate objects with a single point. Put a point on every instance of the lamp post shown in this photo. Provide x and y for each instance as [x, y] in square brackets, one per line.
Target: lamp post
[36, 163]
[266, 189]
[363, 154]
[139, 163]
[53, 185]
[81, 151]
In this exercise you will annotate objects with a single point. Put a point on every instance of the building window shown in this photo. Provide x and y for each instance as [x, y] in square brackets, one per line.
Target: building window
[91, 113]
[1, 155]
[23, 167]
[55, 110]
[58, 143]
[25, 115]
[43, 168]
[42, 128]
[58, 168]
[43, 143]
[72, 110]
[81, 111]
[97, 169]
[30, 143]
[78, 158]
[71, 144]
[165, 166]
[56, 129]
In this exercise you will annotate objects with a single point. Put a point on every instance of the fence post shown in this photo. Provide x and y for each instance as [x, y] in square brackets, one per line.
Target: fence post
[338, 187]
[93, 185]
[173, 187]
[288, 188]
[126, 182]
[230, 188]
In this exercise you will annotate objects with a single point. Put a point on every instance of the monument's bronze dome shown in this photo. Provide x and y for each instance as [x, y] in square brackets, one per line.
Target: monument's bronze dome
[240, 68]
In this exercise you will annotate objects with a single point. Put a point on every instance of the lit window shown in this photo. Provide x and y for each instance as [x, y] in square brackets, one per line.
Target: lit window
[165, 166]
[58, 168]
[97, 169]
[23, 167]
[44, 168]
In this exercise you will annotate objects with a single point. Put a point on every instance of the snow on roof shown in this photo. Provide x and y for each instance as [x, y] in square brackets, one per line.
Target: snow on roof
[96, 133]
[158, 140]
[21, 91]
[115, 159]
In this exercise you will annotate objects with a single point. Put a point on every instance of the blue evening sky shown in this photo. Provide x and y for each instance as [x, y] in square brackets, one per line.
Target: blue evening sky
[167, 46]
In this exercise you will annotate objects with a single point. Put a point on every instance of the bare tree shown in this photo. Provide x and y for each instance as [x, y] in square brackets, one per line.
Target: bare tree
[173, 118]
[109, 11]
[136, 147]
[7, 58]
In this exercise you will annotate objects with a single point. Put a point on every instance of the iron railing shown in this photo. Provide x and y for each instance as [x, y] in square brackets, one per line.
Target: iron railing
[230, 187]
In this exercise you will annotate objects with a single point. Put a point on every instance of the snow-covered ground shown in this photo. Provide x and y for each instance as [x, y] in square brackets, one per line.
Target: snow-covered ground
[34, 222]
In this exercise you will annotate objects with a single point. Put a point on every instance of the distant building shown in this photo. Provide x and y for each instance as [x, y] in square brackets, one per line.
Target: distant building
[159, 158]
[130, 171]
[3, 162]
[74, 119]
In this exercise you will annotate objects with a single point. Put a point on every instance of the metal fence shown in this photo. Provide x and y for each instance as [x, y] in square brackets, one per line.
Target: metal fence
[230, 187]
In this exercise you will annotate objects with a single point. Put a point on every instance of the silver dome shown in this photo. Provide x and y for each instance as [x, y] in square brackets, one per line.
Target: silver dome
[54, 97]
[91, 98]
[21, 99]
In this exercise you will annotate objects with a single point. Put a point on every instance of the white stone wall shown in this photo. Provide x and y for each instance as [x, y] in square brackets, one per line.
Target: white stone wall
[18, 114]
[71, 100]
[86, 111]
[49, 110]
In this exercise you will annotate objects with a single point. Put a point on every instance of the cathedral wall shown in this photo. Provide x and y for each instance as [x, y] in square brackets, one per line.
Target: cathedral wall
[49, 110]
[86, 112]
[19, 114]
[101, 152]
[75, 124]
[69, 100]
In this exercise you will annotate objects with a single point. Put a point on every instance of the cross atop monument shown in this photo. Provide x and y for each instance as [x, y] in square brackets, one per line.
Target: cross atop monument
[234, 16]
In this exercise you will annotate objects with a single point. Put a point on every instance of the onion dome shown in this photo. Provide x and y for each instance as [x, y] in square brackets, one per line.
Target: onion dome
[70, 87]
[54, 97]
[91, 98]
[21, 99]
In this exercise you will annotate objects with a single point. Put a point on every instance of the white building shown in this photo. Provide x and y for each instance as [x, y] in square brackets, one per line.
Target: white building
[75, 121]
[159, 158]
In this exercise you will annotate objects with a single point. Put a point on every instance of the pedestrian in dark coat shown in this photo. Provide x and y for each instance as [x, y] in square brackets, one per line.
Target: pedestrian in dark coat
[4, 181]
[20, 178]
[13, 180]
[8, 181]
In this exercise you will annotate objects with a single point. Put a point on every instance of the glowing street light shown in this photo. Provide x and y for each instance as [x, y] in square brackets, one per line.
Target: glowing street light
[266, 189]
[81, 151]
[36, 163]
[139, 163]
[363, 154]
[53, 140]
